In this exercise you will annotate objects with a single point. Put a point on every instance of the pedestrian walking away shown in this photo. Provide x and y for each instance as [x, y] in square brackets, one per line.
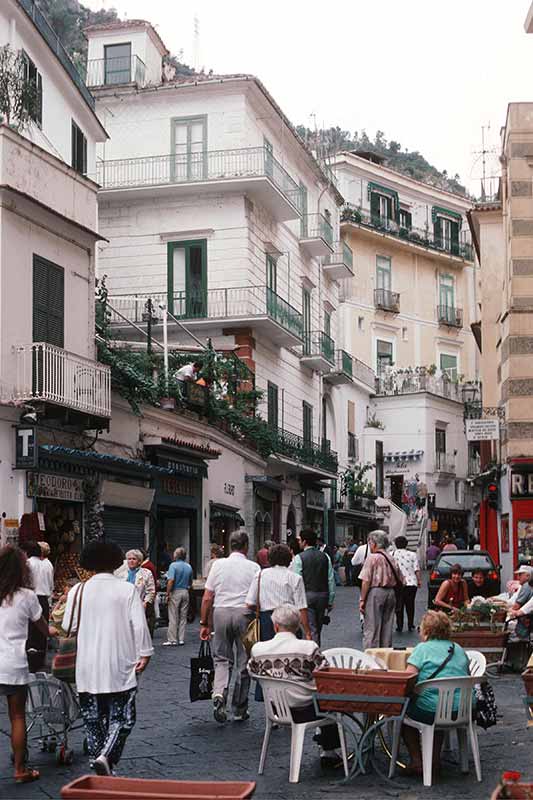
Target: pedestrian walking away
[179, 581]
[407, 563]
[380, 577]
[42, 583]
[316, 570]
[18, 607]
[114, 648]
[226, 590]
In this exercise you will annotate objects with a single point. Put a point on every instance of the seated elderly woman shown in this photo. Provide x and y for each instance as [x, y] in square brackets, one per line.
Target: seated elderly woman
[435, 657]
[285, 656]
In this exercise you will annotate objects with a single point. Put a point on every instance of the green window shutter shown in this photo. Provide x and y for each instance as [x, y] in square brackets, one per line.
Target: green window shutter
[437, 232]
[454, 227]
[304, 226]
[272, 405]
[374, 208]
[307, 422]
[48, 302]
[306, 314]
[327, 323]
[272, 273]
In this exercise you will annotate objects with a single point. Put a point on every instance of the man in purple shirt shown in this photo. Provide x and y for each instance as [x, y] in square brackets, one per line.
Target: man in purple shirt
[432, 553]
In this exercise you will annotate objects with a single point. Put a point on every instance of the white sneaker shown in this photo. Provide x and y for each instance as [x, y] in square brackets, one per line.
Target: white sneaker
[181, 644]
[170, 644]
[101, 766]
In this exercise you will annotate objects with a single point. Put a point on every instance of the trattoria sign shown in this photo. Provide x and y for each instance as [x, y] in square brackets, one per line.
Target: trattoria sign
[522, 485]
[55, 487]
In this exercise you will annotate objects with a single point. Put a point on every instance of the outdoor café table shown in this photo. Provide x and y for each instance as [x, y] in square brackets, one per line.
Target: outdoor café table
[392, 658]
[380, 697]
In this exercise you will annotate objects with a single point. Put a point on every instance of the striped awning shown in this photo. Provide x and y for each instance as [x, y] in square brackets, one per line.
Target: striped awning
[403, 455]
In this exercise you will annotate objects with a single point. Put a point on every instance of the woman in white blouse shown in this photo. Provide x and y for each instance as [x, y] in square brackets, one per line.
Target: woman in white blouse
[114, 647]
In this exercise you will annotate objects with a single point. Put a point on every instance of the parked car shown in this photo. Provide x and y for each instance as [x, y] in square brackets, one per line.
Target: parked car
[469, 560]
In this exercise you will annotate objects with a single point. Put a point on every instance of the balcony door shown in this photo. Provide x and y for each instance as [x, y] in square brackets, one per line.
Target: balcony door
[48, 328]
[187, 279]
[117, 63]
[447, 298]
[189, 150]
[306, 319]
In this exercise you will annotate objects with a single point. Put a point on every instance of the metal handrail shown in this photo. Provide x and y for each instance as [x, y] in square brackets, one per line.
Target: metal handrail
[319, 343]
[317, 226]
[449, 315]
[423, 237]
[296, 447]
[207, 165]
[115, 71]
[387, 300]
[344, 363]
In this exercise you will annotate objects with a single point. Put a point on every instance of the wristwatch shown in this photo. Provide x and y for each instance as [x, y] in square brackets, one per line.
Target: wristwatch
[203, 624]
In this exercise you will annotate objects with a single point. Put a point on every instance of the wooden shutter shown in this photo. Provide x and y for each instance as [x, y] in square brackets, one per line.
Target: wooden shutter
[307, 422]
[374, 208]
[48, 302]
[272, 404]
[454, 228]
[437, 232]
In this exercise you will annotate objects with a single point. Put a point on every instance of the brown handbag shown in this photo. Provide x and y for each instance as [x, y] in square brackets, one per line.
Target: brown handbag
[253, 631]
[64, 661]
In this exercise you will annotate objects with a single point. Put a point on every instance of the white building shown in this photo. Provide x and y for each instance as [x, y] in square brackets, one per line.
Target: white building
[212, 205]
[408, 314]
[48, 234]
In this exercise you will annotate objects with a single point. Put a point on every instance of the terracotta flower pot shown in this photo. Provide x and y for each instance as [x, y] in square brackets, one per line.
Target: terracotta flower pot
[372, 683]
[93, 787]
[480, 638]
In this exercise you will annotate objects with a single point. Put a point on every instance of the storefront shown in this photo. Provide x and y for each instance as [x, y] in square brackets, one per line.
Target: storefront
[223, 520]
[314, 507]
[521, 494]
[267, 493]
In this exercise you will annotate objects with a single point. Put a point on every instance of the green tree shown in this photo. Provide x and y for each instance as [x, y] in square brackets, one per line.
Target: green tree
[18, 95]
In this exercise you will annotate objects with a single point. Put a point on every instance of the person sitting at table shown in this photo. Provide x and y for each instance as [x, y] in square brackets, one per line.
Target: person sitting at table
[289, 658]
[481, 587]
[435, 657]
[453, 592]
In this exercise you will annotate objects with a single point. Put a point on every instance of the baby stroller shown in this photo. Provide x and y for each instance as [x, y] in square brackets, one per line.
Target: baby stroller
[52, 708]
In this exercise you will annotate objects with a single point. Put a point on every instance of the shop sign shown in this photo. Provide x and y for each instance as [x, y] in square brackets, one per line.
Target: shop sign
[398, 468]
[482, 430]
[55, 487]
[178, 488]
[314, 498]
[189, 470]
[521, 485]
[229, 488]
[26, 449]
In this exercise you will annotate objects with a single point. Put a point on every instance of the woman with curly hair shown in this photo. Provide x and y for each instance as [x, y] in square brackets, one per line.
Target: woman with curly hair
[18, 607]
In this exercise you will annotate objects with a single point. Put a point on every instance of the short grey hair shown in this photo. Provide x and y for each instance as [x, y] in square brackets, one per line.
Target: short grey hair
[287, 617]
[137, 554]
[380, 539]
[268, 544]
[238, 541]
[180, 554]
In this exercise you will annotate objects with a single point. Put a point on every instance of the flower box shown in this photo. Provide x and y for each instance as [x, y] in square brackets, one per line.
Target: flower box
[94, 787]
[511, 789]
[490, 643]
[373, 684]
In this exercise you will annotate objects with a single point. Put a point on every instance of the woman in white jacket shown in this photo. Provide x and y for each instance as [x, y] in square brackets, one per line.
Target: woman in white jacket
[114, 647]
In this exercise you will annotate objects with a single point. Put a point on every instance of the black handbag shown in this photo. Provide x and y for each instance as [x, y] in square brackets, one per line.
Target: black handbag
[486, 710]
[202, 674]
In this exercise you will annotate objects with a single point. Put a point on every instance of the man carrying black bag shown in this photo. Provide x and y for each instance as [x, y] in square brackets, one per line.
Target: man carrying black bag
[226, 589]
[202, 674]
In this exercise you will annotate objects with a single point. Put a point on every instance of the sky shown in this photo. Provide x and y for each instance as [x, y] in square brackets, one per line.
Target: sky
[428, 74]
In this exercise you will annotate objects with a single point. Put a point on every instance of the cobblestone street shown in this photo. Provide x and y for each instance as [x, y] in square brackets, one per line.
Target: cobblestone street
[176, 739]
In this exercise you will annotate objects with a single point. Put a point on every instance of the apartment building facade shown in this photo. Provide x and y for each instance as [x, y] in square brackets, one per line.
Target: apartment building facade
[408, 315]
[213, 208]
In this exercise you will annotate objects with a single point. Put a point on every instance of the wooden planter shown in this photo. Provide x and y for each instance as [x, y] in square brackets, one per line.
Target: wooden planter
[366, 683]
[94, 787]
[513, 791]
[489, 643]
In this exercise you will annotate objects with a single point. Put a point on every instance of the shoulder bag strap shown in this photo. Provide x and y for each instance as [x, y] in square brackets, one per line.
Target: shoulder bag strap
[74, 606]
[451, 651]
[393, 568]
[258, 604]
[79, 610]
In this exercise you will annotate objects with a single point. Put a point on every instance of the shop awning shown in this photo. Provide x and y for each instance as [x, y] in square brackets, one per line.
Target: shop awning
[105, 462]
[222, 511]
[403, 455]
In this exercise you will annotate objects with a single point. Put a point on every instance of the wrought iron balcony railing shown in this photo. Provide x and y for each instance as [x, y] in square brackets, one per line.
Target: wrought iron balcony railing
[422, 237]
[449, 315]
[211, 165]
[318, 343]
[229, 303]
[308, 452]
[115, 71]
[317, 226]
[387, 300]
[444, 463]
[50, 374]
[344, 363]
[411, 381]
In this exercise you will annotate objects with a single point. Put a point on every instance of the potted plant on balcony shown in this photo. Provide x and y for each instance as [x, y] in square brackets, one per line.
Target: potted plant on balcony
[355, 487]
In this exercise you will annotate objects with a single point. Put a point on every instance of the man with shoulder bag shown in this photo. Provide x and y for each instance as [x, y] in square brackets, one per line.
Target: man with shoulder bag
[380, 580]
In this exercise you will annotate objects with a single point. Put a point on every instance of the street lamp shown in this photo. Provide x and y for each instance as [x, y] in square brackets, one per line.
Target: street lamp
[470, 392]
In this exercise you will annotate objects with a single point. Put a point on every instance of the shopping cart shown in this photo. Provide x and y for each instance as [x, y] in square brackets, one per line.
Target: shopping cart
[52, 709]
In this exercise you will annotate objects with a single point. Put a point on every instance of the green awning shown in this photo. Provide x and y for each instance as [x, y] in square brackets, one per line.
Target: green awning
[438, 211]
[221, 511]
[376, 187]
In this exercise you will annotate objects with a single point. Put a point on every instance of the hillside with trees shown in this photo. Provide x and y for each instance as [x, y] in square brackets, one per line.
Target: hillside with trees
[328, 141]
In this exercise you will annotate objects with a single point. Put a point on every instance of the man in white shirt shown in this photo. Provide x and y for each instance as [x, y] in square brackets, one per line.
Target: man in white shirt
[43, 586]
[188, 373]
[226, 590]
[407, 563]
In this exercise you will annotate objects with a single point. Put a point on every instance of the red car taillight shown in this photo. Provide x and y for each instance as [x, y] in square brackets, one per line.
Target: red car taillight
[493, 575]
[434, 575]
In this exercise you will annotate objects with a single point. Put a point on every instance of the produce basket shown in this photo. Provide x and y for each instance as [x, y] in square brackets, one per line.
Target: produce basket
[370, 687]
[94, 787]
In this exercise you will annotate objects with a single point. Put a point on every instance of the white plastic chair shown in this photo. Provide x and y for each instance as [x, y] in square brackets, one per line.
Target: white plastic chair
[445, 720]
[348, 658]
[478, 663]
[277, 695]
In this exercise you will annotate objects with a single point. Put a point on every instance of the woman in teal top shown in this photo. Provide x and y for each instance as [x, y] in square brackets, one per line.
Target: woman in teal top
[435, 657]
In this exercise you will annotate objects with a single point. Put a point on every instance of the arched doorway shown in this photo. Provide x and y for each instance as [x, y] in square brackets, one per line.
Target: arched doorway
[290, 528]
[262, 528]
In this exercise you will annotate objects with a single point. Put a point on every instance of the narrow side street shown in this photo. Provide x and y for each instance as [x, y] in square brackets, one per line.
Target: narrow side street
[176, 739]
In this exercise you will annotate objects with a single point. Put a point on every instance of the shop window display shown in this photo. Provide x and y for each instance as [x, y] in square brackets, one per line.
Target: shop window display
[62, 530]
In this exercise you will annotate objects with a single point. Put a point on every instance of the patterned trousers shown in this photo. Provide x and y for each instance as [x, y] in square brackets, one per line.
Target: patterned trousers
[108, 720]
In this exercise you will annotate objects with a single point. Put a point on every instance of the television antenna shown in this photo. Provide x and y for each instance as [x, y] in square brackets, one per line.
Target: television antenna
[488, 156]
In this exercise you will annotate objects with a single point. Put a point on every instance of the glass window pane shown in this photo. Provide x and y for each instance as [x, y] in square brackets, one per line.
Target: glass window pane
[117, 63]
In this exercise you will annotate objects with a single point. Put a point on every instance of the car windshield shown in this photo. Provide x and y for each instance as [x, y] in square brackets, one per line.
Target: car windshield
[468, 561]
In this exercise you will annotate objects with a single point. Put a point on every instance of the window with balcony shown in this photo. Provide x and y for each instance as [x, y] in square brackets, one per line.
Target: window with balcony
[48, 302]
[189, 148]
[440, 448]
[272, 273]
[117, 63]
[272, 406]
[446, 230]
[187, 279]
[306, 319]
[307, 411]
[448, 365]
[79, 149]
[446, 291]
[383, 274]
[34, 78]
[383, 355]
[405, 219]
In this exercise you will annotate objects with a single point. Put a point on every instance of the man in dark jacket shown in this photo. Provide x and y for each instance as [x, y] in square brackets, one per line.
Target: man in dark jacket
[316, 570]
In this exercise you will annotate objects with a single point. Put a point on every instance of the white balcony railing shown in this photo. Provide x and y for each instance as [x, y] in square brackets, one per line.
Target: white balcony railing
[411, 381]
[50, 374]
